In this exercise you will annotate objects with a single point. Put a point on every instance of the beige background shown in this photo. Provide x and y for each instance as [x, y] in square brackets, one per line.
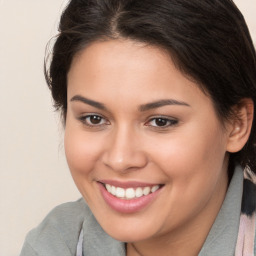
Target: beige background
[33, 173]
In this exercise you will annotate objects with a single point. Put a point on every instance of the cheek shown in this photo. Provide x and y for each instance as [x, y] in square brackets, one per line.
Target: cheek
[82, 152]
[199, 152]
[193, 164]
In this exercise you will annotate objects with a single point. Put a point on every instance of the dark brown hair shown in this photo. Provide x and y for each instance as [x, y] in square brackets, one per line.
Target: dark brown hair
[207, 40]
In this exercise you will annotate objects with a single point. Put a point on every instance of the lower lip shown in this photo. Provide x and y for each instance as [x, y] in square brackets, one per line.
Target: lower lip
[127, 206]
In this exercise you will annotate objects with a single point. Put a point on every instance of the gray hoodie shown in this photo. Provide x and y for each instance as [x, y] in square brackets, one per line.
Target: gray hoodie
[59, 232]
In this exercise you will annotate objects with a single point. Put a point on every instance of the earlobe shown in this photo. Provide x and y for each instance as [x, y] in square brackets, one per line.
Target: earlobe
[240, 125]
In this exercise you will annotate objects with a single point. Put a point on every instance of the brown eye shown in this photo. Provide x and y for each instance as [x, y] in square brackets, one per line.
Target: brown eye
[95, 119]
[161, 122]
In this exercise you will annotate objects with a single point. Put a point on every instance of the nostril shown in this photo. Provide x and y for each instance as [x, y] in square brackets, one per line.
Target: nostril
[122, 151]
[124, 162]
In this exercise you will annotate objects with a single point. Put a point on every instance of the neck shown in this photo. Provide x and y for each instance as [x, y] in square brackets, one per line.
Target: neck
[189, 243]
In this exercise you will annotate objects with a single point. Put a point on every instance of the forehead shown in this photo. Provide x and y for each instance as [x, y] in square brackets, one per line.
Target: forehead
[130, 55]
[124, 69]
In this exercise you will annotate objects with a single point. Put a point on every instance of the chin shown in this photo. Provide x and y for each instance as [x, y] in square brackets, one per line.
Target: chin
[130, 231]
[129, 236]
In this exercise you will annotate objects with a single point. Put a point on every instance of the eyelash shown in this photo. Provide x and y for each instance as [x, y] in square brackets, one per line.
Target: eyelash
[84, 120]
[169, 121]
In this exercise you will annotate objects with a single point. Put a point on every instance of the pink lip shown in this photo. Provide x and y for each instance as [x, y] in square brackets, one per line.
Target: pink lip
[127, 206]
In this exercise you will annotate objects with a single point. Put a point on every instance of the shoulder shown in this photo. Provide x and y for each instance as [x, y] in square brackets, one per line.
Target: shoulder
[59, 231]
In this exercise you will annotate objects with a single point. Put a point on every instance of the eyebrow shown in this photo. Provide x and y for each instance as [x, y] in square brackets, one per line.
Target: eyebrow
[89, 102]
[162, 103]
[142, 108]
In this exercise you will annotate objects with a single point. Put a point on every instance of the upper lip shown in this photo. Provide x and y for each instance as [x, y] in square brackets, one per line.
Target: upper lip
[128, 184]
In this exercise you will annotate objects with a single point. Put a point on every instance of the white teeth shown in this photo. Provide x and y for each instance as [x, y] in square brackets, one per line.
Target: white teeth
[108, 187]
[155, 188]
[131, 193]
[120, 192]
[113, 190]
[139, 192]
[146, 191]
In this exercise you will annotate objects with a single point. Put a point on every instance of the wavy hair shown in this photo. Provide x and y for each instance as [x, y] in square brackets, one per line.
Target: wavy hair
[208, 41]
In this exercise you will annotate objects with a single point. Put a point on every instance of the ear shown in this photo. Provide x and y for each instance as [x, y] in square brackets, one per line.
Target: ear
[239, 127]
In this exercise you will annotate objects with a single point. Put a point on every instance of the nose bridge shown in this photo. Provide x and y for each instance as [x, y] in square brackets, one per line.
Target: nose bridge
[124, 151]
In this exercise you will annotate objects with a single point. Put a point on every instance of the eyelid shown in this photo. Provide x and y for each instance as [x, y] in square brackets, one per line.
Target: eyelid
[172, 122]
[82, 118]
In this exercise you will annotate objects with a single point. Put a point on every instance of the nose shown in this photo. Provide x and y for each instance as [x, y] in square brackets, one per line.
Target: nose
[124, 151]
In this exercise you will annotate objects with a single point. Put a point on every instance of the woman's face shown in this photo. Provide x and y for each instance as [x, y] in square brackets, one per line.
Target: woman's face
[143, 142]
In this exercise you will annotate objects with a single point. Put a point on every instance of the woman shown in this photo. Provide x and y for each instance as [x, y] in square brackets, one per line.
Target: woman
[158, 103]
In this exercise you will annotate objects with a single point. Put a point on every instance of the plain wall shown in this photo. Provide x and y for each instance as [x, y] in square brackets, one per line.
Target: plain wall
[34, 176]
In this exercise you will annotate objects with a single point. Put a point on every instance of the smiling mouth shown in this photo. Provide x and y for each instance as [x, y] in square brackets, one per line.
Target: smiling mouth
[129, 197]
[131, 193]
